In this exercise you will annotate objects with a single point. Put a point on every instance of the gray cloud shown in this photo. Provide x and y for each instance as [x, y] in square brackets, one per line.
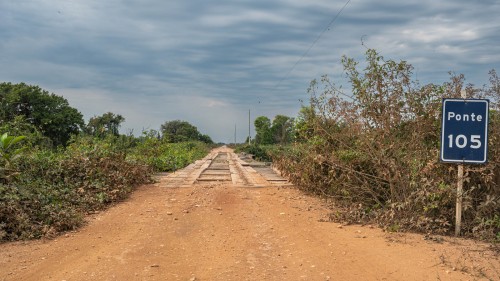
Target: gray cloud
[209, 62]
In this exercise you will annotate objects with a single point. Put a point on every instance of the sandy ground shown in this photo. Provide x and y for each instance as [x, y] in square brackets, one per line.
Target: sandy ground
[239, 228]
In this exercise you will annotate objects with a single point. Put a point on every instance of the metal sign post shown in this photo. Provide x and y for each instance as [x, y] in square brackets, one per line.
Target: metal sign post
[464, 139]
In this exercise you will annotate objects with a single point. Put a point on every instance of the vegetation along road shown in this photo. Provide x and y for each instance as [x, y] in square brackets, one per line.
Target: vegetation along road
[222, 218]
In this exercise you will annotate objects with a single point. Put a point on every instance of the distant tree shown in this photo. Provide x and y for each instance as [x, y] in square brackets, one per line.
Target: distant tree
[263, 130]
[179, 131]
[49, 113]
[303, 127]
[206, 139]
[106, 124]
[281, 129]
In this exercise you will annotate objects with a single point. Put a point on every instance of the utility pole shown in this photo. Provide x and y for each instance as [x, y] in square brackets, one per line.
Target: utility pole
[249, 127]
[234, 134]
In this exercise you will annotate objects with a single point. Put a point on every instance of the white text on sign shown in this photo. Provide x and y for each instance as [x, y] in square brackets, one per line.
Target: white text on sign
[461, 141]
[464, 117]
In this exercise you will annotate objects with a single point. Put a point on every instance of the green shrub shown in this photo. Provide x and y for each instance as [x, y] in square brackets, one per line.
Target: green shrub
[163, 156]
[55, 189]
[259, 152]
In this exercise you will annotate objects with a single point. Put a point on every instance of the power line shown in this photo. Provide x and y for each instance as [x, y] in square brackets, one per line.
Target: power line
[314, 43]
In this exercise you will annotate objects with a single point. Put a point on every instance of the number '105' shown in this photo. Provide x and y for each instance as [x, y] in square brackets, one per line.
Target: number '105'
[461, 141]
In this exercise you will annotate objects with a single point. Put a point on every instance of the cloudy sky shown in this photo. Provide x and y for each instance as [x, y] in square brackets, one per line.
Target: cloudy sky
[210, 62]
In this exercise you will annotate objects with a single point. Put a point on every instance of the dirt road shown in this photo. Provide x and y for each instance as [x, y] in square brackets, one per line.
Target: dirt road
[222, 219]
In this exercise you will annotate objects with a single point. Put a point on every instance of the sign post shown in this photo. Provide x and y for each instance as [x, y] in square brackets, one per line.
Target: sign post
[460, 192]
[464, 139]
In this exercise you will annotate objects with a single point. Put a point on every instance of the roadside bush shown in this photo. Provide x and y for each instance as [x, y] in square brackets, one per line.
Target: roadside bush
[163, 156]
[259, 152]
[55, 189]
[20, 127]
[376, 152]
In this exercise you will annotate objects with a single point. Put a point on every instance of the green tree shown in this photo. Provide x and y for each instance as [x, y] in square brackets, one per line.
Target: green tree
[206, 139]
[106, 124]
[303, 127]
[281, 129]
[263, 130]
[179, 131]
[19, 126]
[49, 113]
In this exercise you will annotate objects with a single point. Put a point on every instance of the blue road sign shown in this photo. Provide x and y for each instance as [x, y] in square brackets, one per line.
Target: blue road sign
[464, 131]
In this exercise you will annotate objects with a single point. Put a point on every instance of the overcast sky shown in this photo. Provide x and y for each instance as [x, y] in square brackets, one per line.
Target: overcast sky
[210, 62]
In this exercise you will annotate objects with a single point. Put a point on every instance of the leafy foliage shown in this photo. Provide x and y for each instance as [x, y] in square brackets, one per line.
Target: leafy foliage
[263, 130]
[375, 152]
[108, 123]
[281, 129]
[49, 113]
[19, 126]
[259, 152]
[61, 173]
[56, 188]
[7, 155]
[303, 128]
[277, 132]
[181, 131]
[6, 147]
[163, 156]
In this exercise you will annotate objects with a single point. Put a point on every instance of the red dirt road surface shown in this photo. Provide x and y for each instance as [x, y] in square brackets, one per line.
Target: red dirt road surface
[223, 219]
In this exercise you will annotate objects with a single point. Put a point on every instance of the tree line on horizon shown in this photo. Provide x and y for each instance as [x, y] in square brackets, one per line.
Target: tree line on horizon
[283, 130]
[28, 107]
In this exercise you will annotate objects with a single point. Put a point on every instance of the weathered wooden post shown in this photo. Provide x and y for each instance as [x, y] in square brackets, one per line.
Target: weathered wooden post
[464, 139]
